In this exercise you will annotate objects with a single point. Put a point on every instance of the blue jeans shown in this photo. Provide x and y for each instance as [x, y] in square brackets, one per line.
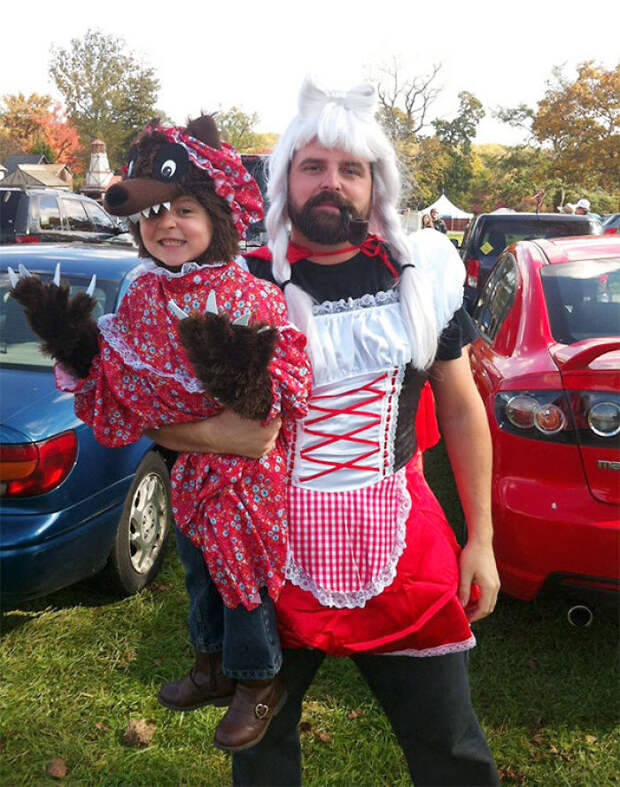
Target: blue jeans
[248, 639]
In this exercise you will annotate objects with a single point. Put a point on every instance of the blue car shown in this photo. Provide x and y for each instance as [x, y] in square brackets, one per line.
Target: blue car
[69, 506]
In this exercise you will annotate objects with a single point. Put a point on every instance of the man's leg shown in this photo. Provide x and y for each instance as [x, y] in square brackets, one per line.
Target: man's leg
[428, 703]
[276, 760]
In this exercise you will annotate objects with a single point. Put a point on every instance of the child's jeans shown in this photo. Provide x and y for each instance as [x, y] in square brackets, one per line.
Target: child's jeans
[248, 639]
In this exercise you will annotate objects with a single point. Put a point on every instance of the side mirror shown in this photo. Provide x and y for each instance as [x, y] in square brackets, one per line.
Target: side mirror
[455, 241]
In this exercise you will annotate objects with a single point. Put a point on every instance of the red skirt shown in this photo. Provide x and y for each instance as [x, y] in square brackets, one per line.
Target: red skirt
[419, 612]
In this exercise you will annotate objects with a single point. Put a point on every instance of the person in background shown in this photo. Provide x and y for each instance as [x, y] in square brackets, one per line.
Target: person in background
[582, 208]
[427, 222]
[438, 223]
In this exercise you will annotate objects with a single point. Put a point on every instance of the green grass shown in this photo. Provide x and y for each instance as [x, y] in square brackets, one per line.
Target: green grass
[77, 666]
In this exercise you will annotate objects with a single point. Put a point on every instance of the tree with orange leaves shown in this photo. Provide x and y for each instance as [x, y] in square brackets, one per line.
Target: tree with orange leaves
[35, 124]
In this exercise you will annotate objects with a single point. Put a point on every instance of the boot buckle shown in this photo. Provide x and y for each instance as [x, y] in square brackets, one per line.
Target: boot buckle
[261, 711]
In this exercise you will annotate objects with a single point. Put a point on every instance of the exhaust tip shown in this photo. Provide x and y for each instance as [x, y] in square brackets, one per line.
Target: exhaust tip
[580, 616]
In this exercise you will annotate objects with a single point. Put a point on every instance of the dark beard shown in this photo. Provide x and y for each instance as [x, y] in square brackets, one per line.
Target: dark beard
[322, 227]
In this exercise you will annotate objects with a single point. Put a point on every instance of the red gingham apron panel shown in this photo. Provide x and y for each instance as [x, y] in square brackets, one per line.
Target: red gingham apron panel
[344, 546]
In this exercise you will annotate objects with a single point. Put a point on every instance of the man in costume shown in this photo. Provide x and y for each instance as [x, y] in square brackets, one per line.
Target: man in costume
[374, 571]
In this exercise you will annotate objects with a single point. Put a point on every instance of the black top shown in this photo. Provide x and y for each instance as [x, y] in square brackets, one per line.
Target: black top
[356, 277]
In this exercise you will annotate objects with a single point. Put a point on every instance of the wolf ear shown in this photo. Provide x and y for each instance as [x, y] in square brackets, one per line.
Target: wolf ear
[204, 129]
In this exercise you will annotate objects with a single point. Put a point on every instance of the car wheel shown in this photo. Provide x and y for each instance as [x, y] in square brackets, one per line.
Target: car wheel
[142, 529]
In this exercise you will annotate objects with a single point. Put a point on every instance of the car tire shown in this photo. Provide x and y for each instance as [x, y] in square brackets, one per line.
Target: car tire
[142, 530]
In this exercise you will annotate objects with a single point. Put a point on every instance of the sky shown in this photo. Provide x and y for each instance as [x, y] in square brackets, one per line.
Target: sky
[254, 55]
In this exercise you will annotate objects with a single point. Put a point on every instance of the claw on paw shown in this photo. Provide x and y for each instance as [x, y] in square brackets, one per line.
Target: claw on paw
[13, 277]
[91, 286]
[211, 303]
[176, 310]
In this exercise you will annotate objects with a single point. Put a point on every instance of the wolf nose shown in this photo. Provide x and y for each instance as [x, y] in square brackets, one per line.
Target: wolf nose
[116, 195]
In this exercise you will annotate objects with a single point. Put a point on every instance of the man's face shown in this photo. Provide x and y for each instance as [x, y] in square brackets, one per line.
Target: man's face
[434, 214]
[324, 185]
[580, 211]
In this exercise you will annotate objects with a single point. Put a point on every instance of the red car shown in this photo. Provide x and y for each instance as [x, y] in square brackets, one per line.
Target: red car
[547, 365]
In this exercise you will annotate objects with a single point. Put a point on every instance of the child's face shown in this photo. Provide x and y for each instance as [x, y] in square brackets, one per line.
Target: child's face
[178, 235]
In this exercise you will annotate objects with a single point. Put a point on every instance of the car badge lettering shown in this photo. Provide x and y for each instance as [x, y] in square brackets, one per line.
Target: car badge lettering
[606, 464]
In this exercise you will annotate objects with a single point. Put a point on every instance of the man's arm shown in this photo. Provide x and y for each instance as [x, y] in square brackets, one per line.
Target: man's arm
[226, 433]
[463, 424]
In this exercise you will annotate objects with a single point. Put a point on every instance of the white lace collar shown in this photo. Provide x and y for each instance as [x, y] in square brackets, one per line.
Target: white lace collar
[366, 301]
[148, 266]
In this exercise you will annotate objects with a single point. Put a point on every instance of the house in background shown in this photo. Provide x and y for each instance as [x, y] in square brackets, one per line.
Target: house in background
[57, 176]
[16, 159]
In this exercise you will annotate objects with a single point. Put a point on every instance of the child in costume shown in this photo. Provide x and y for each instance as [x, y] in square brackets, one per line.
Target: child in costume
[195, 333]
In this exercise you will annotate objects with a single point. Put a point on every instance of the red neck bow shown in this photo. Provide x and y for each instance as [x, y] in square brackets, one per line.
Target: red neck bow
[373, 246]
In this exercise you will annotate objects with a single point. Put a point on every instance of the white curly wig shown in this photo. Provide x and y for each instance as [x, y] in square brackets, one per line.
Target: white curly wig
[347, 121]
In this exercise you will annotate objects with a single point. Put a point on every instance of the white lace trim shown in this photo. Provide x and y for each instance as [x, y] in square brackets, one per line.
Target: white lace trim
[133, 360]
[439, 650]
[358, 598]
[349, 304]
[391, 437]
[148, 266]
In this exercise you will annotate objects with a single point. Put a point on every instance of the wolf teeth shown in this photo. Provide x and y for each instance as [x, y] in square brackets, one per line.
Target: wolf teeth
[91, 286]
[13, 277]
[23, 271]
[135, 218]
[57, 275]
[243, 320]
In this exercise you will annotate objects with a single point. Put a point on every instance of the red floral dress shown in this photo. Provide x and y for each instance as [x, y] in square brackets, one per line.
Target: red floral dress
[234, 509]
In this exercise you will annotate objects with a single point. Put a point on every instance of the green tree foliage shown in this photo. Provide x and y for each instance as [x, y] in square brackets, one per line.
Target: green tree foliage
[456, 136]
[237, 128]
[577, 125]
[109, 93]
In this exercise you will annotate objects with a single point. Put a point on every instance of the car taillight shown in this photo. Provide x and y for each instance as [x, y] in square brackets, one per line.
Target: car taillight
[587, 417]
[29, 469]
[611, 231]
[472, 269]
[27, 239]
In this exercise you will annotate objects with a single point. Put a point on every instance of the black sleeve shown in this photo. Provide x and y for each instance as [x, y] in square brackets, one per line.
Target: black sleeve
[459, 332]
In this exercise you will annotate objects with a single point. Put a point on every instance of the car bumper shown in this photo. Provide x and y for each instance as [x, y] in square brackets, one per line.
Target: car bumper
[543, 530]
[29, 571]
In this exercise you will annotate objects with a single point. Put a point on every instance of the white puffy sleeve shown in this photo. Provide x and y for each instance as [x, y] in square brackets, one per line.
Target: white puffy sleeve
[433, 253]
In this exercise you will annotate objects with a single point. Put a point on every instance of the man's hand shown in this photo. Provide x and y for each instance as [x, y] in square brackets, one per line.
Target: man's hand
[477, 564]
[226, 433]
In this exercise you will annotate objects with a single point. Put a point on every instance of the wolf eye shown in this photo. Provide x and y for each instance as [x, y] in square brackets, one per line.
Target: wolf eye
[168, 168]
[170, 163]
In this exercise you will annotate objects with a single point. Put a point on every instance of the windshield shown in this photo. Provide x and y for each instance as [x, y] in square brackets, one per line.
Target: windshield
[497, 233]
[583, 299]
[18, 344]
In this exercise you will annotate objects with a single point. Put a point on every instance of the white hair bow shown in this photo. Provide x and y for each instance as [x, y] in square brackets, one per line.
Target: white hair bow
[360, 100]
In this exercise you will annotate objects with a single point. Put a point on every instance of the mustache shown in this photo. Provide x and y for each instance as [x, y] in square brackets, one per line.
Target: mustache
[331, 198]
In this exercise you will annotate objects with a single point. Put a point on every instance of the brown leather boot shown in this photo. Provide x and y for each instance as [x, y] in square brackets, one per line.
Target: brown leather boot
[253, 707]
[205, 684]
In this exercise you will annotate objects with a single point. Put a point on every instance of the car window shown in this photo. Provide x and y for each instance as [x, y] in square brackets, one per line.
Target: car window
[496, 298]
[76, 215]
[49, 213]
[583, 299]
[98, 216]
[9, 203]
[497, 232]
[18, 344]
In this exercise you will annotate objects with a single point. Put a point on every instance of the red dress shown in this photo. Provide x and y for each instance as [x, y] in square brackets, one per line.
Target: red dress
[232, 508]
[373, 563]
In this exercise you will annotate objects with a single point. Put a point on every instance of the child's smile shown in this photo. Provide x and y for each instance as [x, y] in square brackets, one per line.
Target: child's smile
[181, 234]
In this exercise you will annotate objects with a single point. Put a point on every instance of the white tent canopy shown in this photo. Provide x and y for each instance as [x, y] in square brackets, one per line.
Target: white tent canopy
[446, 209]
